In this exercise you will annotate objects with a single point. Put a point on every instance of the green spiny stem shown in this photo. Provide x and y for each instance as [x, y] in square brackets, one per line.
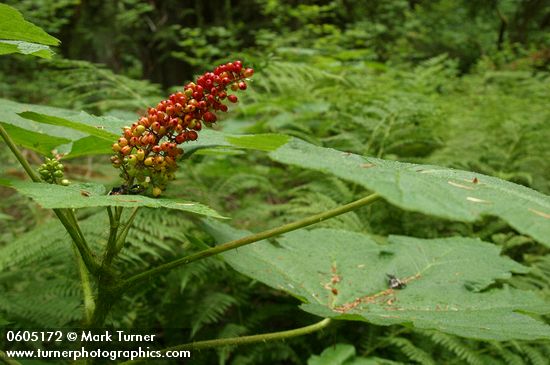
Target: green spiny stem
[236, 341]
[316, 218]
[89, 304]
[71, 227]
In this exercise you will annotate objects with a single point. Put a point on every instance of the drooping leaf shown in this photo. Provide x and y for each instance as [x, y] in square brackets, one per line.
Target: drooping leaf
[262, 142]
[47, 134]
[211, 139]
[20, 36]
[38, 142]
[343, 275]
[83, 125]
[26, 48]
[447, 193]
[94, 195]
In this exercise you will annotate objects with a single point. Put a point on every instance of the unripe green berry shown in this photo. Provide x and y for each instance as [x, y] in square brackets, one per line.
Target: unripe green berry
[132, 159]
[65, 182]
[157, 191]
[58, 174]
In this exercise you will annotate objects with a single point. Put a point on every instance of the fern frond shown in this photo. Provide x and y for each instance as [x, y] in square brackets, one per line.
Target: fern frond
[212, 308]
[455, 345]
[411, 351]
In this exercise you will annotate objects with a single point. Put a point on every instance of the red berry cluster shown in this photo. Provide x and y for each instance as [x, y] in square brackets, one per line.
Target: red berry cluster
[148, 150]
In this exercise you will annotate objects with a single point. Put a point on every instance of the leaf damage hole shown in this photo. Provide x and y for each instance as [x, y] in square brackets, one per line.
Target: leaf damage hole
[459, 185]
[539, 213]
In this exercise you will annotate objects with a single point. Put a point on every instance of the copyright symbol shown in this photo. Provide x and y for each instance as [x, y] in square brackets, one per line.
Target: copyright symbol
[72, 336]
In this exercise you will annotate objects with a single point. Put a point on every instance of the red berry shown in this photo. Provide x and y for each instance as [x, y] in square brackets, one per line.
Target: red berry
[248, 72]
[209, 117]
[192, 135]
[180, 138]
[233, 98]
[126, 150]
[242, 85]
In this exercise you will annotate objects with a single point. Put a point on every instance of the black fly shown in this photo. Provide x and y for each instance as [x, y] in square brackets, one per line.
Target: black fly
[125, 190]
[395, 283]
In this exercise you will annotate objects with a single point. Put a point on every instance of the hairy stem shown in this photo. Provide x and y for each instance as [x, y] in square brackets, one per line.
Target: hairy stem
[316, 218]
[236, 341]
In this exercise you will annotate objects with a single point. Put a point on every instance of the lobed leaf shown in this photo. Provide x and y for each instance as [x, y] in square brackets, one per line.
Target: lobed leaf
[343, 275]
[443, 192]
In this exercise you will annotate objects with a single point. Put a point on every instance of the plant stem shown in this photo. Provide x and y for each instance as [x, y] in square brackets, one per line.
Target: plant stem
[316, 218]
[87, 256]
[236, 341]
[89, 304]
[22, 160]
[122, 236]
[114, 224]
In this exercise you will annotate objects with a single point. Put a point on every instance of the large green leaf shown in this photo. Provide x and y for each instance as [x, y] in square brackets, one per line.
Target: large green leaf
[93, 195]
[342, 275]
[443, 192]
[19, 36]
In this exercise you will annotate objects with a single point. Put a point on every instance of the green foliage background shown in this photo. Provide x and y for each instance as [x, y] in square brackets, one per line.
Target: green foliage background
[460, 84]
